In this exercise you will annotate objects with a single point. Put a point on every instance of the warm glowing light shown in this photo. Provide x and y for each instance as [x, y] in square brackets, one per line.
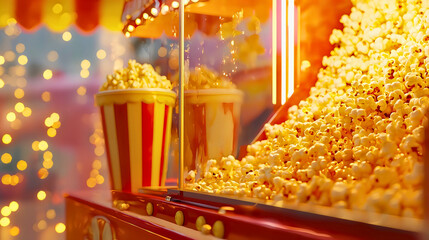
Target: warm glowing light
[43, 145]
[47, 74]
[94, 173]
[57, 8]
[19, 107]
[21, 165]
[42, 225]
[99, 150]
[67, 36]
[35, 146]
[6, 139]
[4, 221]
[91, 182]
[52, 56]
[51, 214]
[96, 164]
[6, 179]
[84, 73]
[20, 48]
[52, 132]
[60, 227]
[19, 93]
[101, 54]
[13, 206]
[81, 90]
[21, 82]
[2, 60]
[46, 96]
[130, 28]
[118, 63]
[127, 34]
[27, 112]
[49, 122]
[41, 195]
[154, 11]
[47, 155]
[10, 117]
[164, 9]
[43, 173]
[9, 56]
[85, 64]
[175, 4]
[57, 125]
[22, 59]
[6, 158]
[48, 164]
[1, 83]
[145, 16]
[99, 179]
[14, 231]
[5, 211]
[291, 47]
[138, 21]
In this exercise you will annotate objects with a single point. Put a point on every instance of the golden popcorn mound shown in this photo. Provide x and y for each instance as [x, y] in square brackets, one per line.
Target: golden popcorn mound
[204, 78]
[136, 75]
[356, 141]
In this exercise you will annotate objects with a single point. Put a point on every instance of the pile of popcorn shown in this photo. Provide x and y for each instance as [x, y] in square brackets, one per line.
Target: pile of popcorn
[205, 78]
[356, 141]
[135, 75]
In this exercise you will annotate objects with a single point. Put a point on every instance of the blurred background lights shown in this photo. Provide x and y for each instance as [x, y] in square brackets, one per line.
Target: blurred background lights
[85, 64]
[19, 107]
[20, 48]
[101, 54]
[47, 74]
[2, 60]
[60, 227]
[43, 145]
[42, 225]
[13, 206]
[52, 56]
[51, 132]
[1, 83]
[50, 214]
[41, 195]
[81, 90]
[84, 73]
[19, 93]
[35, 146]
[6, 139]
[27, 112]
[67, 36]
[46, 96]
[4, 221]
[57, 8]
[14, 231]
[22, 59]
[6, 158]
[5, 211]
[11, 116]
[21, 165]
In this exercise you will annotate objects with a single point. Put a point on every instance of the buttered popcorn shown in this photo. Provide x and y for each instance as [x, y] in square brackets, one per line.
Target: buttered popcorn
[356, 141]
[136, 75]
[204, 78]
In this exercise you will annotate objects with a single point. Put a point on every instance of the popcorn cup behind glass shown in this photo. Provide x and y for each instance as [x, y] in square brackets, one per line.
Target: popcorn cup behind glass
[136, 126]
[212, 121]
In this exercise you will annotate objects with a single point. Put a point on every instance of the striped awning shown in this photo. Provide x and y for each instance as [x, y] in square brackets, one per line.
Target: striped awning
[58, 15]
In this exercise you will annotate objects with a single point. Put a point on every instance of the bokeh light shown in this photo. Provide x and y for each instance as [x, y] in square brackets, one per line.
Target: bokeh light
[1, 83]
[41, 195]
[60, 227]
[11, 116]
[47, 74]
[67, 36]
[46, 96]
[85, 64]
[21, 165]
[27, 112]
[7, 138]
[2, 60]
[5, 211]
[52, 56]
[81, 90]
[84, 73]
[14, 231]
[43, 173]
[51, 214]
[4, 221]
[101, 54]
[19, 93]
[19, 107]
[6, 158]
[43, 145]
[20, 48]
[22, 59]
[14, 206]
[51, 132]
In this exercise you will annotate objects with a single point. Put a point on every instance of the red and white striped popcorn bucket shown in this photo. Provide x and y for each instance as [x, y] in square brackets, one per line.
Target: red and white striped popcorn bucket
[212, 122]
[137, 131]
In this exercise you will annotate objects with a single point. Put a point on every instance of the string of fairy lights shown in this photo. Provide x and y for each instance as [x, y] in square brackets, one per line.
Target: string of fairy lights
[13, 71]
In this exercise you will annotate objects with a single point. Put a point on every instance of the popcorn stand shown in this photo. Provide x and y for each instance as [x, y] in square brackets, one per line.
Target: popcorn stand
[265, 119]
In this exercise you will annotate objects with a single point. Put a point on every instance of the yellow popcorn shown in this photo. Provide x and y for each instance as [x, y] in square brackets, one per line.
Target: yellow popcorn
[205, 78]
[356, 141]
[136, 75]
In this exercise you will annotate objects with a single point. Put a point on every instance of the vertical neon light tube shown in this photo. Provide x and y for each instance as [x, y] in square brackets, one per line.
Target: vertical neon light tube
[274, 53]
[181, 91]
[291, 47]
[284, 48]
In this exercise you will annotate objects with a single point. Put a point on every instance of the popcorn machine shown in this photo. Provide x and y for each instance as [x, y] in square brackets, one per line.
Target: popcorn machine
[298, 119]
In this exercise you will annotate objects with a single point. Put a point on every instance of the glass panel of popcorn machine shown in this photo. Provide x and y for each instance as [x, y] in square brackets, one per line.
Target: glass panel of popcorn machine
[227, 82]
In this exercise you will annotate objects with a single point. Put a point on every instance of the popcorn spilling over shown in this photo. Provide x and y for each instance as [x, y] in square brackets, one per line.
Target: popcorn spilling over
[136, 75]
[204, 78]
[356, 141]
